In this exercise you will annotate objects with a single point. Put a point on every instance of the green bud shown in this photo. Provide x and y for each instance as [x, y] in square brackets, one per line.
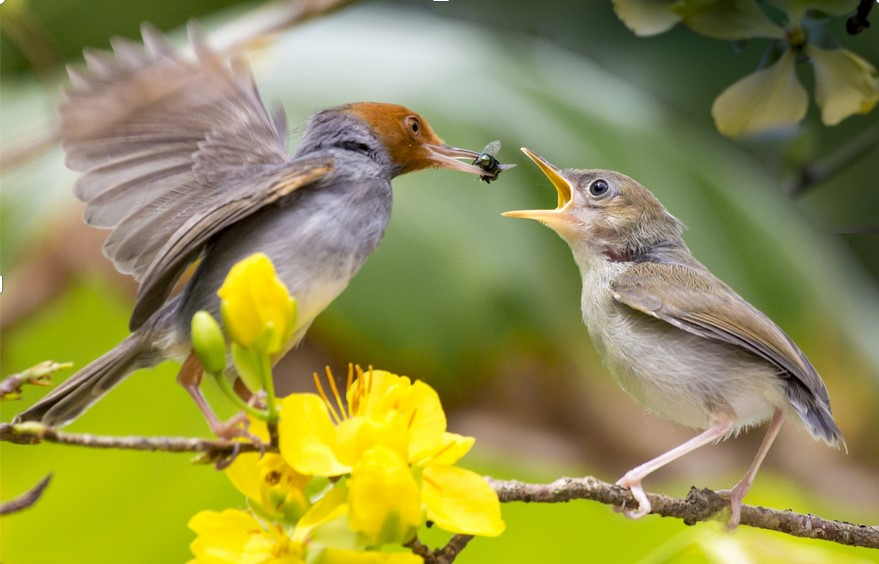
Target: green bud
[208, 342]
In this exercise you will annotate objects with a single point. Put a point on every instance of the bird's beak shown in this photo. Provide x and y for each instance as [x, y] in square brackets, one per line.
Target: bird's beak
[444, 156]
[552, 218]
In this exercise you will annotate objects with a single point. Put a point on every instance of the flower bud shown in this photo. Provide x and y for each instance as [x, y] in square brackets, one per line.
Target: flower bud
[254, 299]
[208, 342]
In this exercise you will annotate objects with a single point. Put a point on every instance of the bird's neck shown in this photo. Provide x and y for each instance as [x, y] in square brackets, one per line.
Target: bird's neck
[592, 254]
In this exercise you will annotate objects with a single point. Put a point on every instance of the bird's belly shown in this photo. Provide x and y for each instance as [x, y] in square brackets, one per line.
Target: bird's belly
[686, 378]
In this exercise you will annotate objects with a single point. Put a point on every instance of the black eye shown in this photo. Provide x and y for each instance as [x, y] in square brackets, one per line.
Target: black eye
[414, 125]
[599, 187]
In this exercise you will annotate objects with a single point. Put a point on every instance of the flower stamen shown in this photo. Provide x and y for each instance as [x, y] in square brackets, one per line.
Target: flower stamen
[323, 396]
[335, 391]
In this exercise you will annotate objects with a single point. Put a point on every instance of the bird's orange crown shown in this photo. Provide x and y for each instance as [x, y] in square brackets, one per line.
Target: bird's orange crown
[409, 140]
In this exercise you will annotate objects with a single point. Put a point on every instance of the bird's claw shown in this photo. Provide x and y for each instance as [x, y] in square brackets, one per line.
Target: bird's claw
[735, 497]
[640, 496]
[236, 427]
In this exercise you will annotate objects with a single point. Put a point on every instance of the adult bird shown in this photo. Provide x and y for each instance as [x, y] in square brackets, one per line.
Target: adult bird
[182, 160]
[674, 336]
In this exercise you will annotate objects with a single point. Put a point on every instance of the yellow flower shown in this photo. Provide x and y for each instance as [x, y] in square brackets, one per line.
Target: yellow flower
[234, 536]
[257, 308]
[389, 420]
[276, 491]
[384, 498]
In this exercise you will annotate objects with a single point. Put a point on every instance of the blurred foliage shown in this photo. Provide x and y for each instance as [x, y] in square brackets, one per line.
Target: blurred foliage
[483, 308]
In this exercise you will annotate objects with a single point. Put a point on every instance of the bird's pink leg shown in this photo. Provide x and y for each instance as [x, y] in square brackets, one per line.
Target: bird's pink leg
[737, 493]
[632, 479]
[189, 377]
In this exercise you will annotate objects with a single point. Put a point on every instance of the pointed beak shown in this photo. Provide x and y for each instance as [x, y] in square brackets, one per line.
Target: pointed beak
[552, 218]
[447, 157]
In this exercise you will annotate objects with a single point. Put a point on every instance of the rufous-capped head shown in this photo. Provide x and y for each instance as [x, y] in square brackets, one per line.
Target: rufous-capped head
[409, 140]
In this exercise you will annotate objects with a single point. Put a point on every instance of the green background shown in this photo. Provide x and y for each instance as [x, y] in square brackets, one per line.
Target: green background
[484, 308]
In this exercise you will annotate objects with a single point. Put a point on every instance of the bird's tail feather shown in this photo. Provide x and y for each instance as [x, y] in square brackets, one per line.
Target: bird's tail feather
[69, 400]
[816, 417]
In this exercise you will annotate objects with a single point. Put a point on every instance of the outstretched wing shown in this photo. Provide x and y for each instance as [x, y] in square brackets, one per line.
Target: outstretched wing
[686, 297]
[168, 145]
[156, 135]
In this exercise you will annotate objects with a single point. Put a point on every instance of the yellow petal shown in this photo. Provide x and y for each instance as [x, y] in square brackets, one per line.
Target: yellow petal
[646, 17]
[768, 99]
[446, 451]
[234, 536]
[276, 489]
[426, 419]
[331, 507]
[384, 500]
[357, 435]
[221, 536]
[253, 298]
[244, 475]
[461, 501]
[845, 84]
[375, 392]
[335, 556]
[308, 436]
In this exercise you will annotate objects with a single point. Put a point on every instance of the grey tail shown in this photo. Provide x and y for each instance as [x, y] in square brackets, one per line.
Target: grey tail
[816, 416]
[69, 400]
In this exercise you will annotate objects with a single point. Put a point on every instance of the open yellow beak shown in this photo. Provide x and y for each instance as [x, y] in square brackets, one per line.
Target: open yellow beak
[562, 186]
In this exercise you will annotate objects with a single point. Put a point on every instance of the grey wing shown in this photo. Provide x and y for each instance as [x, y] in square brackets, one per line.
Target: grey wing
[157, 136]
[186, 244]
[686, 297]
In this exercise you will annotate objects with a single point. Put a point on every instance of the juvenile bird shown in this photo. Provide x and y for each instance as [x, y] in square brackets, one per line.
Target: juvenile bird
[182, 160]
[674, 336]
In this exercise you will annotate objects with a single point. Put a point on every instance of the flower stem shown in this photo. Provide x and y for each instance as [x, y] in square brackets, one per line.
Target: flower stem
[226, 387]
[268, 384]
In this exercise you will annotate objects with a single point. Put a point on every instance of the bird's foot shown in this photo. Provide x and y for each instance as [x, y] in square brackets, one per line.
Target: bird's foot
[735, 497]
[236, 427]
[644, 506]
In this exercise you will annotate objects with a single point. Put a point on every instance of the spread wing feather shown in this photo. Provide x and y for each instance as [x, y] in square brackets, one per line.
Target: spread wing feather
[158, 136]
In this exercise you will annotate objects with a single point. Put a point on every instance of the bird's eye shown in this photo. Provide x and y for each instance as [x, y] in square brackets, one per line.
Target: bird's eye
[599, 187]
[414, 125]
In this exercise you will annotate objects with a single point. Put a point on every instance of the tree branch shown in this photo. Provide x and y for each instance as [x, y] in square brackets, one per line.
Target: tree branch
[810, 175]
[39, 375]
[699, 505]
[444, 555]
[219, 452]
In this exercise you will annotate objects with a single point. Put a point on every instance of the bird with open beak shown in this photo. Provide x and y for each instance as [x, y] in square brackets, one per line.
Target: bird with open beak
[182, 160]
[674, 336]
